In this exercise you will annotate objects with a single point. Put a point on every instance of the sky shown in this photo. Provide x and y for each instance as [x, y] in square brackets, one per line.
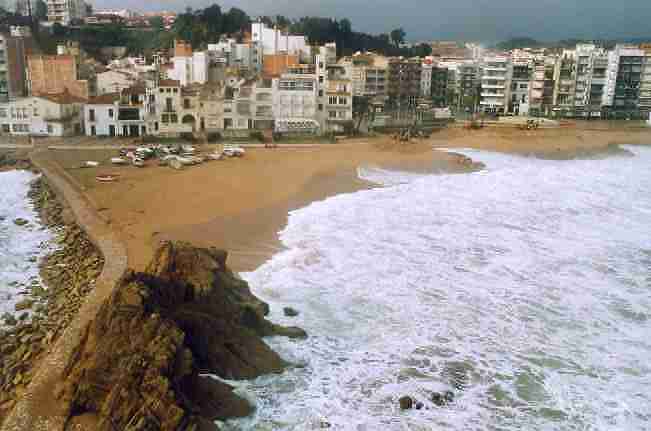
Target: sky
[482, 20]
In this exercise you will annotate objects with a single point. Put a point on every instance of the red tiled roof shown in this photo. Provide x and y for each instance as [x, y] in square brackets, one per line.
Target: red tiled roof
[169, 83]
[62, 98]
[104, 99]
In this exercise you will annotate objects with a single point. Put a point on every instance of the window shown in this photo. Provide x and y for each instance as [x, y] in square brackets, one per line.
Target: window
[342, 114]
[5, 128]
[169, 90]
[50, 129]
[332, 100]
[186, 103]
[320, 93]
[320, 106]
[3, 113]
[35, 112]
[110, 113]
[321, 79]
[343, 101]
[91, 115]
[156, 126]
[332, 114]
[93, 131]
[162, 90]
[174, 118]
[175, 90]
[165, 119]
[168, 105]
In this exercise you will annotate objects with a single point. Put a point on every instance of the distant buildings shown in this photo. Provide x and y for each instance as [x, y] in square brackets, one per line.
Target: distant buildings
[65, 12]
[13, 79]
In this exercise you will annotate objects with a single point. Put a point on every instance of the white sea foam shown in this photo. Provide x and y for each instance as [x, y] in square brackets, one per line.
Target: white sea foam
[20, 246]
[531, 278]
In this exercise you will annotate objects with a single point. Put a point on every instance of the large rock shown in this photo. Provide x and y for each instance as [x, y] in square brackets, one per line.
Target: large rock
[139, 364]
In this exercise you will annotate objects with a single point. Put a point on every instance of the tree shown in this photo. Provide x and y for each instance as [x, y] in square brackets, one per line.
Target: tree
[235, 21]
[40, 11]
[360, 110]
[156, 22]
[398, 36]
[213, 19]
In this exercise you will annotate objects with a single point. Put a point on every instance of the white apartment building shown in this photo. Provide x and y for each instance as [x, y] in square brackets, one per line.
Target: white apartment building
[426, 78]
[65, 11]
[274, 41]
[190, 70]
[495, 83]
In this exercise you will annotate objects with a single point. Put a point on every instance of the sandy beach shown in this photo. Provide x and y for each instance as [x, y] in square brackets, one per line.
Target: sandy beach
[240, 205]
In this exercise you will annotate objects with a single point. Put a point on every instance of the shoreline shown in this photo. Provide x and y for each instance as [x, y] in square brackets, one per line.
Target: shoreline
[36, 407]
[67, 274]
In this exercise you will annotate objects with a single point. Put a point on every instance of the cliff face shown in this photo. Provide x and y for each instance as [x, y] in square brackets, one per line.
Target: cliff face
[138, 365]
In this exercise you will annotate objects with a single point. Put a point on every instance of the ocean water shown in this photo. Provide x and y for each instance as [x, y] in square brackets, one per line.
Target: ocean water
[20, 246]
[524, 288]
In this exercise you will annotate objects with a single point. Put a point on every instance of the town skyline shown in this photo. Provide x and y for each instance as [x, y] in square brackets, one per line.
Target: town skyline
[460, 20]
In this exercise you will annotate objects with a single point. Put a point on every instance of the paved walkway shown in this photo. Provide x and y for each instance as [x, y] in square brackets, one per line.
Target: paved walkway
[39, 409]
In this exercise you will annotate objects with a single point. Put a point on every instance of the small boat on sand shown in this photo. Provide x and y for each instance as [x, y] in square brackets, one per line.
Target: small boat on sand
[106, 178]
[91, 164]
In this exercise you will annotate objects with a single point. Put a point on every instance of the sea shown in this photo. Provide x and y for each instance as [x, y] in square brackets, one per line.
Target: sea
[524, 289]
[21, 247]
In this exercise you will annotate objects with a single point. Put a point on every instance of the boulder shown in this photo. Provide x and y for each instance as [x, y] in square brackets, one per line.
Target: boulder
[442, 399]
[20, 222]
[25, 304]
[406, 402]
[290, 312]
[9, 319]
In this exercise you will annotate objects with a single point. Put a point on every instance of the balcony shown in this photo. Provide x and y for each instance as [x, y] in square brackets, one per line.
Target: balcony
[495, 86]
[493, 95]
[490, 77]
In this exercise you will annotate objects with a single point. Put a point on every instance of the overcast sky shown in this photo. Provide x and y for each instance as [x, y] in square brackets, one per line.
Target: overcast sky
[488, 20]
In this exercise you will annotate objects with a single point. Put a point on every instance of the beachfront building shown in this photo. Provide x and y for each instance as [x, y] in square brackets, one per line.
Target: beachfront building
[645, 84]
[117, 114]
[495, 84]
[54, 115]
[469, 86]
[439, 87]
[622, 93]
[426, 77]
[163, 104]
[336, 96]
[404, 86]
[521, 77]
[565, 80]
[294, 98]
[368, 74]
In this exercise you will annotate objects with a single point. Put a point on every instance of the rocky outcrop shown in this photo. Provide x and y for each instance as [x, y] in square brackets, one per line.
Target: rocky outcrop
[138, 366]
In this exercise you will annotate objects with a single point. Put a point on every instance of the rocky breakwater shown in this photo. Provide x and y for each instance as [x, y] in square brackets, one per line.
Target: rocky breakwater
[69, 273]
[143, 361]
